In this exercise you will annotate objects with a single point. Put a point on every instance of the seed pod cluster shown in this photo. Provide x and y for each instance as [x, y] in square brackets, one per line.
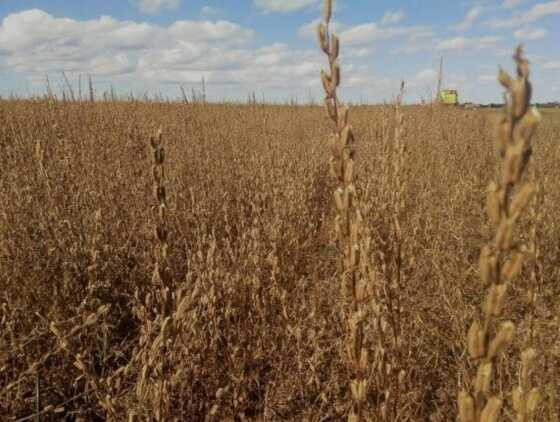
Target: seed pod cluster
[348, 220]
[160, 273]
[502, 259]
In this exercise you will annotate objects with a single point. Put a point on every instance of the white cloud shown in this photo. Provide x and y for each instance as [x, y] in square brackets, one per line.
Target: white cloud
[283, 6]
[416, 37]
[363, 79]
[510, 4]
[154, 6]
[535, 13]
[30, 30]
[487, 79]
[358, 53]
[426, 76]
[140, 56]
[210, 11]
[392, 17]
[463, 43]
[471, 16]
[552, 65]
[370, 32]
[118, 64]
[421, 35]
[411, 48]
[418, 41]
[529, 34]
[309, 30]
[194, 31]
[273, 66]
[35, 42]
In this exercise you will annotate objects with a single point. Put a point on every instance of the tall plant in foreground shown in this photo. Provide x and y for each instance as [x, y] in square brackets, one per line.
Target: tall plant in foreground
[348, 222]
[155, 312]
[501, 260]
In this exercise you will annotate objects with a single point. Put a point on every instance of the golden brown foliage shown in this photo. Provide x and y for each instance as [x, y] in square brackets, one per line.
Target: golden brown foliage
[256, 327]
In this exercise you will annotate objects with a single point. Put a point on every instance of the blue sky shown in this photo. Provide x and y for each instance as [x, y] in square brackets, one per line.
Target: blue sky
[269, 46]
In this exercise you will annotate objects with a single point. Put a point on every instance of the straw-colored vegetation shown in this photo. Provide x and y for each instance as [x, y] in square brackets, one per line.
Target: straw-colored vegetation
[195, 273]
[257, 322]
[501, 260]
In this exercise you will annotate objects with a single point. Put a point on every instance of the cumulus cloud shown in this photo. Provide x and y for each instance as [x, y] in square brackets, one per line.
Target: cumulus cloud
[529, 34]
[202, 31]
[34, 41]
[510, 4]
[358, 53]
[273, 66]
[210, 11]
[418, 41]
[535, 13]
[464, 43]
[154, 6]
[283, 6]
[146, 56]
[551, 65]
[370, 32]
[487, 79]
[392, 17]
[426, 76]
[471, 16]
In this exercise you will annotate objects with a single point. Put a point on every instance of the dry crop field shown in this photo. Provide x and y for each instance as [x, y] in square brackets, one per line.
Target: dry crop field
[169, 261]
[252, 260]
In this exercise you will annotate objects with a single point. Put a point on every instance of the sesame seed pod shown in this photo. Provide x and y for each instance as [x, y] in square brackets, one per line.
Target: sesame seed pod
[338, 199]
[518, 400]
[343, 117]
[327, 11]
[335, 75]
[323, 40]
[331, 110]
[327, 83]
[349, 171]
[523, 197]
[466, 407]
[520, 95]
[500, 295]
[492, 410]
[493, 207]
[475, 346]
[363, 360]
[483, 378]
[503, 235]
[512, 267]
[504, 79]
[533, 400]
[529, 124]
[335, 47]
[502, 340]
[504, 131]
[487, 266]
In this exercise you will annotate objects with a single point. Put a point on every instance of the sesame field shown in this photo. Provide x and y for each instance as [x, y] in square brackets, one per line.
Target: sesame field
[195, 273]
[197, 259]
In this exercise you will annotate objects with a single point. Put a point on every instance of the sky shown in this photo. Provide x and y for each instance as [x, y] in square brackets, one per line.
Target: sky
[269, 47]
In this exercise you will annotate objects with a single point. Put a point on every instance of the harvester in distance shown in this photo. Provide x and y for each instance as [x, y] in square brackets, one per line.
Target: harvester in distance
[445, 96]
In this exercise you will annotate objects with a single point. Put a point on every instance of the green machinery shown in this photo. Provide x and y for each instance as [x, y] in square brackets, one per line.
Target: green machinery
[448, 97]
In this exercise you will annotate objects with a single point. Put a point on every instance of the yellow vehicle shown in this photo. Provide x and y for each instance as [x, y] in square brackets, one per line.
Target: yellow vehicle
[448, 97]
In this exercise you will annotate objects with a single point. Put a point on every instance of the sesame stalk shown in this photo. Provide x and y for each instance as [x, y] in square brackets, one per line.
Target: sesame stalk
[501, 260]
[348, 221]
[160, 273]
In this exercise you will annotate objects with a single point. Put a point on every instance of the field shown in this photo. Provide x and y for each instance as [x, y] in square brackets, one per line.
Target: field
[243, 317]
